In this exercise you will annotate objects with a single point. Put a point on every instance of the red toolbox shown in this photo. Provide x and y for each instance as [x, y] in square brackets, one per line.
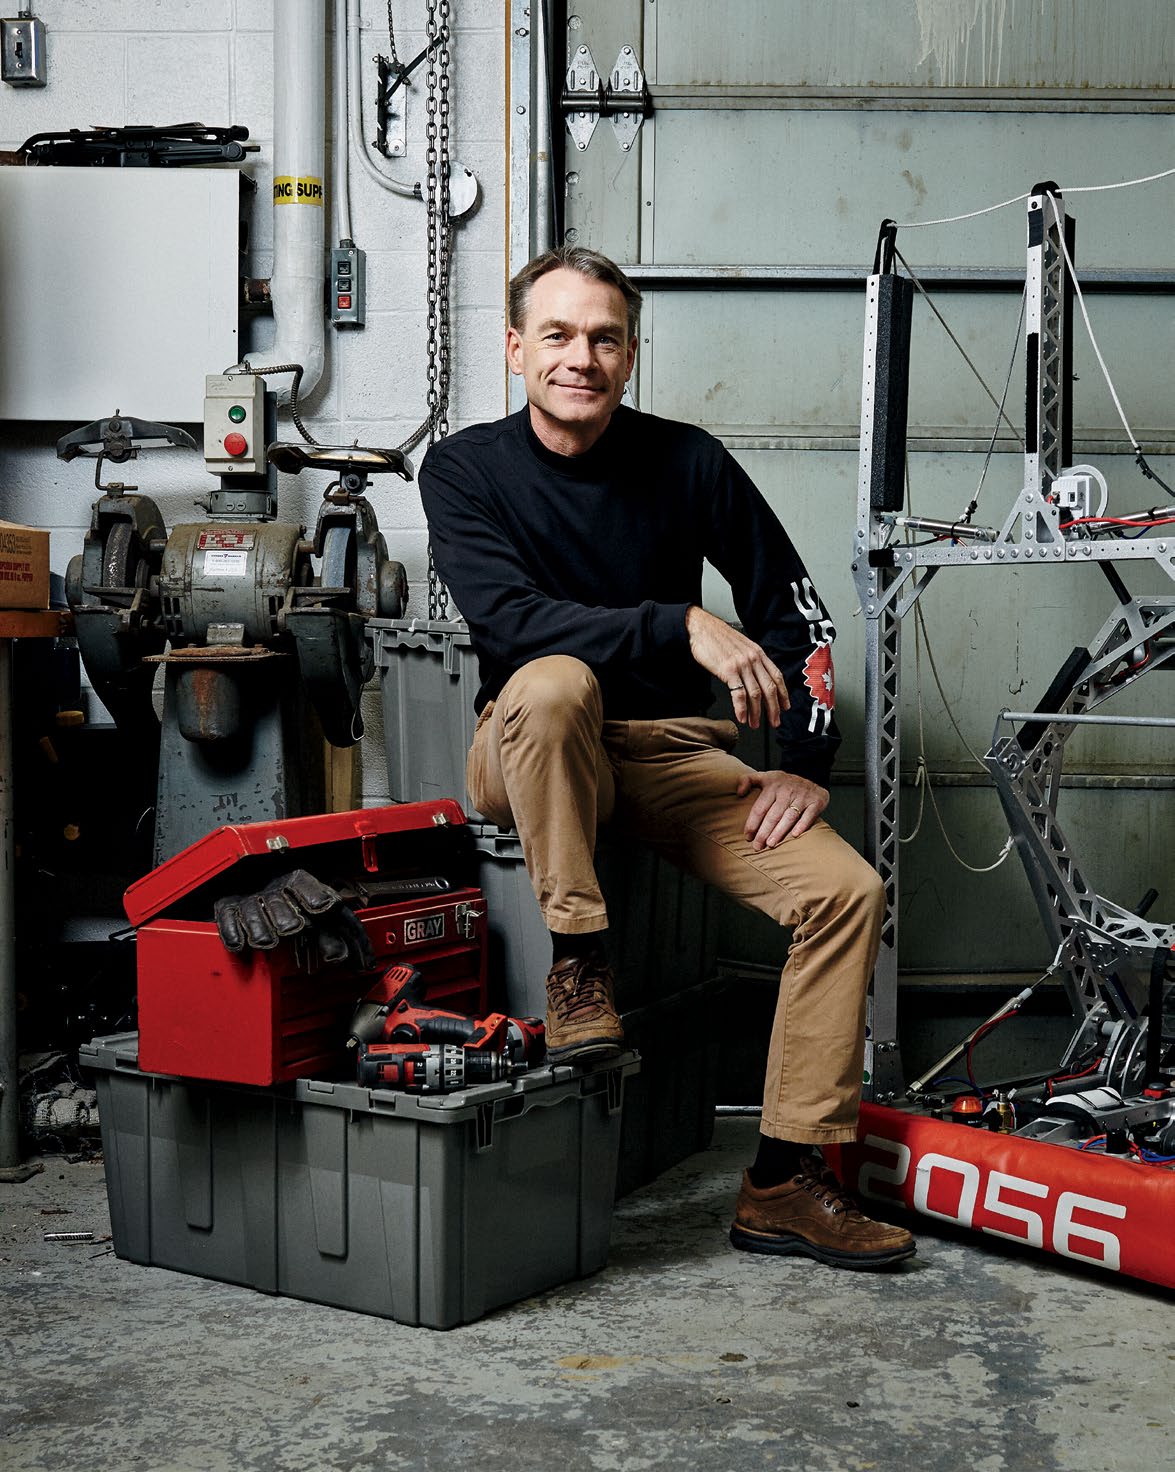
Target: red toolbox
[267, 1017]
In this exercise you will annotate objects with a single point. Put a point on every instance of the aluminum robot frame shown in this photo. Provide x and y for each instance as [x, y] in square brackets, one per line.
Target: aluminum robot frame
[1116, 966]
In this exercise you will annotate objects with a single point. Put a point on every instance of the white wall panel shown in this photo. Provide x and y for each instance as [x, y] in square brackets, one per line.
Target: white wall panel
[118, 290]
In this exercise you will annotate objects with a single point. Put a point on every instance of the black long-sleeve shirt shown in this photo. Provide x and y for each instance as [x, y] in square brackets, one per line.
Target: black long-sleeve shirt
[600, 555]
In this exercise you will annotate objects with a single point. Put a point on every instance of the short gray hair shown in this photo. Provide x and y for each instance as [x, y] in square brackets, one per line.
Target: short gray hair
[585, 262]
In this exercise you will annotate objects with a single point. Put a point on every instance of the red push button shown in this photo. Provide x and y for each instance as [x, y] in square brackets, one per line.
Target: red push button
[235, 444]
[344, 303]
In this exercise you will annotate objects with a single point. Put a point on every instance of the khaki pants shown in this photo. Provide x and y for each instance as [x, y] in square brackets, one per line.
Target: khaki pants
[544, 761]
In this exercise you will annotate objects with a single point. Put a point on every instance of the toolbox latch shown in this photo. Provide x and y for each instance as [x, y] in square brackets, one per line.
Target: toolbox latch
[368, 850]
[465, 917]
[485, 1127]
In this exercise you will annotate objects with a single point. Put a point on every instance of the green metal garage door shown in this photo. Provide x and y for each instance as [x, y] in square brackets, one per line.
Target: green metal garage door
[746, 206]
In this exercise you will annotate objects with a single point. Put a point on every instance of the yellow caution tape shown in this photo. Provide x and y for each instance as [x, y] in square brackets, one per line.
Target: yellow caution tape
[288, 190]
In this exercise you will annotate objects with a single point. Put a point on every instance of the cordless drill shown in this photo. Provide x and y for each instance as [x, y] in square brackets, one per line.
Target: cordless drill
[428, 1068]
[404, 1043]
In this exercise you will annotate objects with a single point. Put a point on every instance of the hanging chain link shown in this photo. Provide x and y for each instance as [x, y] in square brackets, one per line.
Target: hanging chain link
[392, 57]
[440, 248]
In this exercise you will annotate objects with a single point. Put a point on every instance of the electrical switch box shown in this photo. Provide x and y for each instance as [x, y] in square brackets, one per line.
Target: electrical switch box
[234, 424]
[348, 286]
[22, 51]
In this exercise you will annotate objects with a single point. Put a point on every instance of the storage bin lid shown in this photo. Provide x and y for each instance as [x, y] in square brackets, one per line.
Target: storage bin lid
[219, 851]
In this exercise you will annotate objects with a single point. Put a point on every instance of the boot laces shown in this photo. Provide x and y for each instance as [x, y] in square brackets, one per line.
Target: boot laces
[816, 1178]
[584, 991]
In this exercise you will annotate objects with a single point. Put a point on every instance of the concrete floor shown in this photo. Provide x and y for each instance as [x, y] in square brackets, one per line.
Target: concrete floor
[681, 1353]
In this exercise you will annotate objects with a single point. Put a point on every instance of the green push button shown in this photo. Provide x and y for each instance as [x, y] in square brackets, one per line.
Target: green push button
[237, 413]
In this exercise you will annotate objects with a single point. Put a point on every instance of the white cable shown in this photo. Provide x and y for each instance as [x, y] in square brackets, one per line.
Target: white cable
[1089, 326]
[991, 208]
[954, 219]
[1122, 184]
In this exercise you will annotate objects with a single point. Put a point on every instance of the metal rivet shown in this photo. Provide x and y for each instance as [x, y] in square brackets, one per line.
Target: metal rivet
[520, 109]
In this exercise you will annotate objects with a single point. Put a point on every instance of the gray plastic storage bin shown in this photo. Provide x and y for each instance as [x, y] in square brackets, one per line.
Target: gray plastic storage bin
[427, 679]
[660, 923]
[669, 1109]
[519, 943]
[430, 1210]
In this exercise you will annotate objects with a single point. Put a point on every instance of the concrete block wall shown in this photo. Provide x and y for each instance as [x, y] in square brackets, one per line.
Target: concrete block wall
[116, 62]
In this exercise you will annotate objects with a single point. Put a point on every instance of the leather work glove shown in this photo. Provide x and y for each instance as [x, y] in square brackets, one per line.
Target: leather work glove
[290, 905]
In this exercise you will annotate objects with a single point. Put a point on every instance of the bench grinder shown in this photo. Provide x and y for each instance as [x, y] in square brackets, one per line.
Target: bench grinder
[262, 655]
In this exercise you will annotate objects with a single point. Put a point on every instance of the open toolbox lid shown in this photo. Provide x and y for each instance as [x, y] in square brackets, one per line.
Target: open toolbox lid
[357, 841]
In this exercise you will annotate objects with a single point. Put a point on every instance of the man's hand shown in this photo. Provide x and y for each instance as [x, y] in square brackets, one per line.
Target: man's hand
[753, 680]
[786, 807]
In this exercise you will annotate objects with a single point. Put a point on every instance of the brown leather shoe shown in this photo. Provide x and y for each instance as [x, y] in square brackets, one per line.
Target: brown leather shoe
[812, 1213]
[581, 1015]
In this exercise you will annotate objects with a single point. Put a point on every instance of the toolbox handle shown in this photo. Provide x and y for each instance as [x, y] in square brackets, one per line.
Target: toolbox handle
[495, 1109]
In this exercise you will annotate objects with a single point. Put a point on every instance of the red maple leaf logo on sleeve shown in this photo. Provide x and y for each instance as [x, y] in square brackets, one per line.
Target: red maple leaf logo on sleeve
[818, 675]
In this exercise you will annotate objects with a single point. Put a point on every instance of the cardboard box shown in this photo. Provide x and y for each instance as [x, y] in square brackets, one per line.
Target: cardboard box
[24, 566]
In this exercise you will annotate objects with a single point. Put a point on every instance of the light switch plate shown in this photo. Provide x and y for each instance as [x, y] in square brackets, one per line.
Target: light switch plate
[22, 51]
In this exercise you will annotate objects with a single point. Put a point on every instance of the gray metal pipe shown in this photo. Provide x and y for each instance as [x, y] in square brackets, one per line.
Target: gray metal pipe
[1073, 720]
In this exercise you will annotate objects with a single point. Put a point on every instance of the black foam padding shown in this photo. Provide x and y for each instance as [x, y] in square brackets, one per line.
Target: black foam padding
[891, 396]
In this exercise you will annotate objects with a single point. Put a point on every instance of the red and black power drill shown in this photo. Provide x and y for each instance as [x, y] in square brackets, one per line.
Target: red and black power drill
[406, 1044]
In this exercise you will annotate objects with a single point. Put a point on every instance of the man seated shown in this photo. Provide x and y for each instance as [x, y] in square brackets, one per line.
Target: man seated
[572, 536]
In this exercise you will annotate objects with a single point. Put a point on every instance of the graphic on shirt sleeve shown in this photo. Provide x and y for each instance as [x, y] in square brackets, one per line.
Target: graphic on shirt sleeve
[818, 666]
[818, 675]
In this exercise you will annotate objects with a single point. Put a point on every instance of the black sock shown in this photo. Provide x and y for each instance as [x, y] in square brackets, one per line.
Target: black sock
[776, 1161]
[590, 943]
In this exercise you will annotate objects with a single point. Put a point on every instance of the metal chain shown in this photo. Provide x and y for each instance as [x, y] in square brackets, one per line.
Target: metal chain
[392, 57]
[440, 244]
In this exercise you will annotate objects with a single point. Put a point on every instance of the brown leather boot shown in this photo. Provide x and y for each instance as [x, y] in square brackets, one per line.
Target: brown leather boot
[581, 1015]
[813, 1214]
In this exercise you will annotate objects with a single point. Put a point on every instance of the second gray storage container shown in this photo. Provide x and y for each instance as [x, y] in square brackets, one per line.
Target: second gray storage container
[427, 679]
[660, 923]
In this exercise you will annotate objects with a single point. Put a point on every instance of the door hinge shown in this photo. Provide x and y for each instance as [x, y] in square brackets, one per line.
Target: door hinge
[625, 99]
